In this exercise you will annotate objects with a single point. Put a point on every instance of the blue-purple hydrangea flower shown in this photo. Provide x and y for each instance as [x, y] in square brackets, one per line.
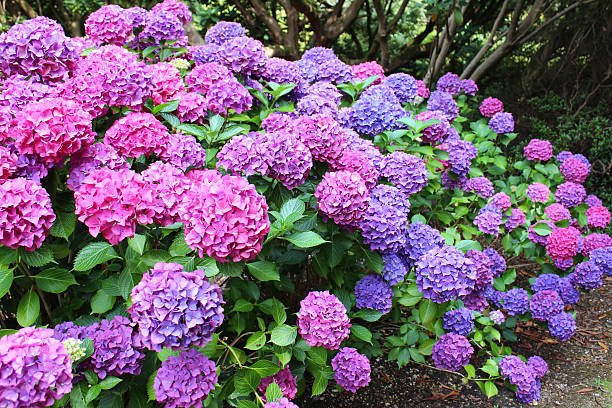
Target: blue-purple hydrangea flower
[459, 321]
[372, 292]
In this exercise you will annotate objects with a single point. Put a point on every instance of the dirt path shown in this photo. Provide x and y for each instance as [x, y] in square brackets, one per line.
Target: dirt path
[580, 372]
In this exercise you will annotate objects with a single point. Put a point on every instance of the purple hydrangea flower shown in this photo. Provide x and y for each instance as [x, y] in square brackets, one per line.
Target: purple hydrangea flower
[483, 265]
[365, 146]
[538, 149]
[538, 365]
[587, 275]
[174, 7]
[183, 151]
[407, 172]
[459, 321]
[243, 55]
[206, 53]
[18, 91]
[280, 403]
[90, 158]
[444, 102]
[523, 376]
[501, 200]
[351, 369]
[444, 274]
[436, 132]
[243, 155]
[382, 225]
[227, 95]
[494, 296]
[322, 135]
[284, 379]
[334, 71]
[545, 304]
[175, 308]
[499, 263]
[562, 326]
[394, 268]
[224, 31]
[592, 200]
[516, 219]
[475, 300]
[372, 292]
[451, 352]
[538, 192]
[342, 196]
[404, 86]
[448, 82]
[537, 238]
[109, 25]
[376, 110]
[68, 330]
[482, 186]
[468, 87]
[602, 257]
[283, 71]
[516, 301]
[488, 221]
[137, 16]
[497, 316]
[185, 380]
[420, 239]
[288, 159]
[161, 27]
[502, 122]
[574, 170]
[460, 156]
[545, 281]
[564, 155]
[490, 106]
[322, 320]
[569, 294]
[594, 241]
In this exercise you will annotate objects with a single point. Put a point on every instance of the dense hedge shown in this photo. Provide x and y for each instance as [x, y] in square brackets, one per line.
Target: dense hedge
[208, 226]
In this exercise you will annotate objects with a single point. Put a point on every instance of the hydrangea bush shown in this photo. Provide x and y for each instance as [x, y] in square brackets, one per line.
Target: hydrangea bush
[207, 226]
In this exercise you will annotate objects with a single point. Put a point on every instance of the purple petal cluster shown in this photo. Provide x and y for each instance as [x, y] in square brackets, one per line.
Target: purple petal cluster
[523, 376]
[404, 87]
[284, 379]
[459, 321]
[475, 300]
[167, 84]
[174, 7]
[109, 25]
[372, 292]
[92, 157]
[444, 102]
[460, 156]
[516, 219]
[538, 149]
[452, 352]
[420, 239]
[482, 186]
[468, 87]
[574, 170]
[288, 159]
[545, 304]
[281, 403]
[206, 53]
[204, 76]
[563, 243]
[8, 163]
[394, 268]
[365, 70]
[483, 265]
[538, 192]
[406, 171]
[243, 55]
[602, 257]
[592, 200]
[224, 31]
[322, 136]
[488, 220]
[499, 263]
[343, 197]
[436, 132]
[228, 94]
[161, 27]
[594, 241]
[502, 122]
[562, 326]
[322, 320]
[501, 200]
[497, 317]
[598, 217]
[537, 238]
[18, 91]
[137, 133]
[242, 155]
[359, 163]
[516, 301]
[334, 71]
[183, 151]
[351, 369]
[448, 82]
[587, 275]
[383, 224]
[376, 112]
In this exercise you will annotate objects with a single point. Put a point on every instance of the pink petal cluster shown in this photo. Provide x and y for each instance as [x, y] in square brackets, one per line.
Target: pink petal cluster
[243, 154]
[112, 202]
[90, 158]
[26, 214]
[192, 108]
[538, 149]
[178, 9]
[109, 25]
[284, 379]
[538, 192]
[137, 133]
[563, 243]
[8, 163]
[202, 77]
[322, 320]
[168, 185]
[90, 94]
[322, 135]
[598, 216]
[422, 89]
[574, 170]
[167, 84]
[225, 218]
[490, 106]
[52, 129]
[288, 159]
[359, 163]
[594, 241]
[501, 200]
[343, 197]
[557, 212]
[367, 69]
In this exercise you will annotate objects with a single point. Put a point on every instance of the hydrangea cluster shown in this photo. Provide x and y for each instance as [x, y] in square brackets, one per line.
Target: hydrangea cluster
[185, 380]
[351, 369]
[224, 31]
[490, 106]
[394, 268]
[8, 163]
[109, 25]
[226, 95]
[523, 376]
[538, 192]
[598, 216]
[488, 220]
[90, 96]
[176, 309]
[90, 158]
[483, 265]
[243, 55]
[452, 352]
[137, 133]
[420, 239]
[26, 214]
[284, 379]
[516, 301]
[18, 91]
[178, 9]
[343, 197]
[460, 156]
[574, 170]
[406, 171]
[587, 275]
[538, 149]
[203, 76]
[436, 132]
[359, 163]
[111, 202]
[168, 186]
[592, 200]
[459, 321]
[404, 87]
[563, 243]
[602, 257]
[499, 263]
[444, 102]
[375, 112]
[444, 274]
[482, 186]
[372, 292]
[365, 70]
[516, 219]
[570, 194]
[497, 316]
[192, 108]
[183, 151]
[281, 403]
[382, 225]
[322, 320]
[501, 200]
[322, 135]
[557, 212]
[594, 241]
[167, 84]
[562, 326]
[502, 122]
[288, 159]
[225, 218]
[545, 304]
[448, 82]
[468, 87]
[36, 369]
[243, 155]
[160, 27]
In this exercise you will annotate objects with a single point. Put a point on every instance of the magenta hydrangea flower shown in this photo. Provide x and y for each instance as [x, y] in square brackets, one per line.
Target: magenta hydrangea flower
[52, 129]
[468, 87]
[167, 84]
[592, 200]
[168, 185]
[111, 202]
[343, 197]
[243, 154]
[137, 133]
[594, 241]
[538, 192]
[36, 369]
[422, 90]
[448, 82]
[176, 309]
[18, 91]
[178, 9]
[8, 163]
[37, 47]
[516, 219]
[351, 369]
[452, 352]
[516, 301]
[545, 304]
[444, 274]
[406, 171]
[288, 159]
[563, 243]
[26, 214]
[322, 320]
[90, 95]
[501, 200]
[404, 86]
[183, 151]
[490, 106]
[185, 380]
[459, 321]
[228, 94]
[322, 135]
[224, 31]
[225, 218]
[202, 77]
[436, 132]
[359, 163]
[284, 379]
[367, 69]
[482, 186]
[538, 149]
[598, 217]
[90, 158]
[365, 146]
[109, 25]
[192, 108]
[562, 326]
[243, 55]
[444, 102]
[557, 212]
[475, 301]
[373, 292]
[280, 403]
[574, 170]
[570, 194]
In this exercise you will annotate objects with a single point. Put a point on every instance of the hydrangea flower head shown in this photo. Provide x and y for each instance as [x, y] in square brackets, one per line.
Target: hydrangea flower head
[137, 16]
[283, 71]
[90, 95]
[26, 214]
[343, 197]
[206, 53]
[562, 326]
[376, 111]
[422, 90]
[382, 225]
[537, 238]
[545, 304]
[109, 25]
[406, 171]
[538, 365]
[499, 263]
[365, 70]
[587, 275]
[404, 86]
[281, 403]
[497, 316]
[161, 27]
[8, 163]
[483, 265]
[574, 170]
[444, 274]
[516, 219]
[203, 76]
[322, 320]
[452, 352]
[502, 122]
[224, 31]
[482, 186]
[167, 83]
[448, 82]
[394, 268]
[420, 239]
[598, 217]
[602, 257]
[501, 200]
[183, 151]
[351, 369]
[490, 106]
[488, 221]
[563, 243]
[288, 159]
[516, 301]
[468, 87]
[594, 241]
[192, 108]
[557, 212]
[538, 192]
[176, 8]
[459, 321]
[18, 91]
[460, 156]
[137, 133]
[90, 158]
[36, 369]
[322, 135]
[372, 292]
[592, 200]
[570, 194]
[185, 380]
[521, 375]
[228, 94]
[444, 102]
[284, 379]
[436, 132]
[359, 163]
[243, 55]
[242, 155]
[538, 149]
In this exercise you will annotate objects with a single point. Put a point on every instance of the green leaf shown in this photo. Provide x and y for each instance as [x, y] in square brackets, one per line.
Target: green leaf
[306, 239]
[171, 119]
[28, 309]
[150, 389]
[373, 260]
[542, 229]
[246, 381]
[273, 392]
[54, 280]
[466, 245]
[109, 382]
[63, 225]
[490, 368]
[137, 243]
[77, 400]
[179, 247]
[263, 270]
[8, 256]
[293, 206]
[369, 315]
[41, 257]
[319, 385]
[265, 368]
[361, 333]
[94, 254]
[92, 393]
[167, 107]
[256, 341]
[278, 311]
[427, 311]
[416, 355]
[490, 389]
[470, 370]
[150, 258]
[242, 305]
[6, 279]
[101, 302]
[283, 335]
[126, 283]
[318, 355]
[426, 346]
[509, 277]
[243, 403]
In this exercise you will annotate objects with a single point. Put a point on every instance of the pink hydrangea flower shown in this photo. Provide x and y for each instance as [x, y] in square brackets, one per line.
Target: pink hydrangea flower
[538, 192]
[203, 76]
[228, 94]
[90, 94]
[322, 320]
[490, 106]
[322, 135]
[167, 84]
[574, 170]
[192, 108]
[112, 202]
[109, 25]
[52, 129]
[137, 133]
[168, 184]
[367, 69]
[178, 9]
[598, 216]
[26, 214]
[8, 163]
[538, 149]
[359, 163]
[557, 212]
[284, 379]
[563, 243]
[501, 200]
[594, 241]
[422, 89]
[343, 197]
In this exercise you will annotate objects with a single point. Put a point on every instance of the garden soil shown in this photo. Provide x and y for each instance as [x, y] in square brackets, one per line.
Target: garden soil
[580, 371]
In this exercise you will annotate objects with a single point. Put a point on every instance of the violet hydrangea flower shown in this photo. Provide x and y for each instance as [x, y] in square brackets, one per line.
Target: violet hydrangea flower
[538, 149]
[499, 263]
[8, 163]
[482, 186]
[497, 316]
[407, 172]
[322, 135]
[459, 321]
[594, 241]
[557, 212]
[404, 86]
[444, 102]
[243, 55]
[516, 219]
[570, 194]
[178, 9]
[516, 301]
[602, 257]
[448, 82]
[502, 122]
[228, 94]
[587, 275]
[420, 238]
[243, 155]
[592, 200]
[288, 159]
[574, 170]
[468, 87]
[436, 132]
[382, 225]
[343, 197]
[460, 156]
[183, 151]
[161, 27]
[545, 304]
[488, 221]
[538, 192]
[562, 326]
[322, 320]
[224, 31]
[376, 112]
[351, 369]
[90, 158]
[372, 292]
[501, 200]
[452, 352]
[598, 217]
[394, 268]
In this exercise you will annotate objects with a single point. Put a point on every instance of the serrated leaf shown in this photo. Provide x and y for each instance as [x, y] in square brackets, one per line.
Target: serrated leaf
[54, 280]
[92, 393]
[150, 258]
[283, 335]
[306, 239]
[319, 385]
[40, 257]
[109, 382]
[94, 254]
[273, 392]
[256, 341]
[369, 315]
[490, 389]
[265, 368]
[171, 119]
[63, 225]
[263, 271]
[293, 206]
[318, 355]
[179, 247]
[246, 381]
[101, 302]
[28, 309]
[468, 244]
[6, 279]
[137, 243]
[279, 314]
[361, 333]
[8, 255]
[126, 283]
